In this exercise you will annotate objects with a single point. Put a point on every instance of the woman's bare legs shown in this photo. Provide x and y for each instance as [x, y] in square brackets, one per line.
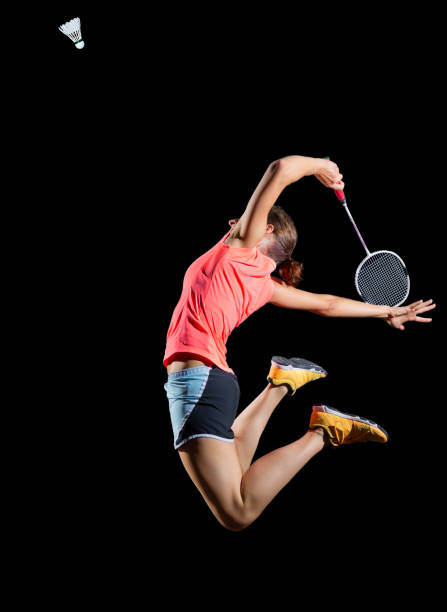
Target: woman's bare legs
[237, 499]
[235, 491]
[251, 422]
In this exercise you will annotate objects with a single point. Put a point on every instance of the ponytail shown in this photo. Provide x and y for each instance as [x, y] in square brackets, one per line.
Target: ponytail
[291, 272]
[281, 247]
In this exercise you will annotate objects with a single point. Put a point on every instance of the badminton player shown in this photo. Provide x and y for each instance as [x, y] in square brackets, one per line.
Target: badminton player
[220, 290]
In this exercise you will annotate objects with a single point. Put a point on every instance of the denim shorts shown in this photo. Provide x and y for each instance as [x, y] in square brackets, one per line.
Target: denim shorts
[203, 403]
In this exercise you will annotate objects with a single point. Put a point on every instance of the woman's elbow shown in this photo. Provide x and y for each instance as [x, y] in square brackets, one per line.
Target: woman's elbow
[328, 307]
[281, 169]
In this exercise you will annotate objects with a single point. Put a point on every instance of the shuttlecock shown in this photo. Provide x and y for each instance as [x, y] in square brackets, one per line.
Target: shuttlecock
[72, 29]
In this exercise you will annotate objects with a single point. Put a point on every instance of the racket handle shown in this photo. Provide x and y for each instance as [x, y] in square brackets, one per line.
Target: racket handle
[339, 192]
[342, 199]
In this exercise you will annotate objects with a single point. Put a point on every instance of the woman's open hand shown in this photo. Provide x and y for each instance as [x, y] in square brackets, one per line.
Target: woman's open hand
[329, 174]
[401, 315]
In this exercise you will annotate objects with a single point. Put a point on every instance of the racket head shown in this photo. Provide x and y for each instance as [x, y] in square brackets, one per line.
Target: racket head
[382, 279]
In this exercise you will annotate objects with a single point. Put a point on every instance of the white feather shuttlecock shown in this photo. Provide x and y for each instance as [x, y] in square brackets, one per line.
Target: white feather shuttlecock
[72, 29]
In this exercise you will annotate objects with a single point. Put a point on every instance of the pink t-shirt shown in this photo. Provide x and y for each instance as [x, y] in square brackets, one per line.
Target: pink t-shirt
[220, 290]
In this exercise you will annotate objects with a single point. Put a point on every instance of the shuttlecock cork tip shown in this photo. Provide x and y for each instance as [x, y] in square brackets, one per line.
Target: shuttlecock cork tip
[80, 44]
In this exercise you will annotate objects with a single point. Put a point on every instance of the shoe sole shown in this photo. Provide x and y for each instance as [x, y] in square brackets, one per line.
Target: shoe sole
[297, 363]
[353, 417]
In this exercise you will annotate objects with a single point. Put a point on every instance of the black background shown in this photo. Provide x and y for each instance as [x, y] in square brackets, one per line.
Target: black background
[156, 134]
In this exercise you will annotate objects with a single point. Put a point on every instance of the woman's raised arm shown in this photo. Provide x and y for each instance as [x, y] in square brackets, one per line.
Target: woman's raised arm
[252, 224]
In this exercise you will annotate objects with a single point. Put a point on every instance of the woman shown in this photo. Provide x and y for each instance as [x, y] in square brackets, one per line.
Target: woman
[220, 290]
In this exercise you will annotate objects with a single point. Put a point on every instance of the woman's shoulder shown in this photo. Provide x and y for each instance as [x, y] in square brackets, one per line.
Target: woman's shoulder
[233, 238]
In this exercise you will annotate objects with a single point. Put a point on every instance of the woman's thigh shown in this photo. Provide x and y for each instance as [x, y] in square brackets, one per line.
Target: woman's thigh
[214, 467]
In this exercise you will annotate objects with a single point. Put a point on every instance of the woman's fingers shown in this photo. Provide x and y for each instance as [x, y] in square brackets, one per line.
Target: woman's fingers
[425, 309]
[421, 306]
[336, 179]
[415, 304]
[338, 185]
[331, 179]
[403, 314]
[421, 303]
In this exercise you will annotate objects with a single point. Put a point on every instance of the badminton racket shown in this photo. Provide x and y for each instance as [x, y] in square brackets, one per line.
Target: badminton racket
[382, 277]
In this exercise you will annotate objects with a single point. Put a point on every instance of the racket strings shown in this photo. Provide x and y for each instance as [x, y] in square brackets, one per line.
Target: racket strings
[382, 278]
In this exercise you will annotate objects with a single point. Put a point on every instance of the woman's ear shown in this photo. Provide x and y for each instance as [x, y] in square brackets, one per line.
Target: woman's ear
[270, 228]
[232, 222]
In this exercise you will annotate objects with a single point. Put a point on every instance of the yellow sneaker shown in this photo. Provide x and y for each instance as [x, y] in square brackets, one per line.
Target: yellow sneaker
[294, 372]
[342, 428]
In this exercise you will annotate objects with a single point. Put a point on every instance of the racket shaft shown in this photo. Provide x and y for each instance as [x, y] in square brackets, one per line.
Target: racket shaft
[355, 227]
[342, 198]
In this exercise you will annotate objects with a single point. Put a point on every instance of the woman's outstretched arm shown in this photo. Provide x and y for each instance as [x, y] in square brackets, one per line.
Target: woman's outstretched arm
[252, 224]
[333, 306]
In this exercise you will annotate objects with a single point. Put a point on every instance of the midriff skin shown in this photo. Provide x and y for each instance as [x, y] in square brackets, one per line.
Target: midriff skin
[182, 361]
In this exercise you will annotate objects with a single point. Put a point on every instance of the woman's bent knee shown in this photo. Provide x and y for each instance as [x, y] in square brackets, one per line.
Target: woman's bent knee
[214, 468]
[235, 521]
[233, 525]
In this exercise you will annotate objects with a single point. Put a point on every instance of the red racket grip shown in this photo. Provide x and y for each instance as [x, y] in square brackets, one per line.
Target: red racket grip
[339, 192]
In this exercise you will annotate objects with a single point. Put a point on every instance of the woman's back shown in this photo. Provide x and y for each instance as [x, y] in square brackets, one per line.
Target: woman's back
[220, 290]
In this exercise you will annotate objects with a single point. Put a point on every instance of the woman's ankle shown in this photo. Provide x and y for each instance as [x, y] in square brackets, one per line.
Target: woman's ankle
[281, 389]
[319, 431]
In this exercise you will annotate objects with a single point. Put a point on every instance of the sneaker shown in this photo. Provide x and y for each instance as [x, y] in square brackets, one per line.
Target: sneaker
[294, 372]
[340, 428]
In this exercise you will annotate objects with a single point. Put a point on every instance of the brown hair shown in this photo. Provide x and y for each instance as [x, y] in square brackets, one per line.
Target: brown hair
[281, 249]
